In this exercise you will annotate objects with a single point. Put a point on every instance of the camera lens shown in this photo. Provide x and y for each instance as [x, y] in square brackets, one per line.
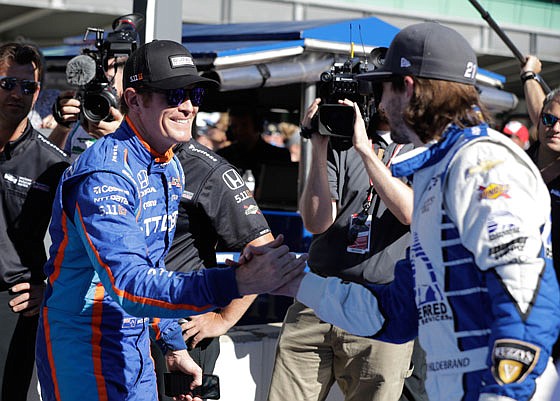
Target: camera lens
[96, 108]
[97, 103]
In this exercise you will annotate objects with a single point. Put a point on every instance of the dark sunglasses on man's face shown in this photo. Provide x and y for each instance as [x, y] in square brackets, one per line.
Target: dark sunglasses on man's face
[175, 97]
[549, 119]
[27, 87]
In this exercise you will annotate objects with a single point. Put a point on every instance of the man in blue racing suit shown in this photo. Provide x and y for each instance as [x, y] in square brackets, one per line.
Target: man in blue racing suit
[479, 267]
[113, 223]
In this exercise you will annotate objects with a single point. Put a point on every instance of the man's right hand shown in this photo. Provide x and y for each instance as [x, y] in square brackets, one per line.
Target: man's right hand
[102, 128]
[267, 268]
[532, 64]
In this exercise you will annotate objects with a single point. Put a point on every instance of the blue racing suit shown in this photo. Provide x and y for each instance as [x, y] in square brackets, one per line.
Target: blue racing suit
[113, 222]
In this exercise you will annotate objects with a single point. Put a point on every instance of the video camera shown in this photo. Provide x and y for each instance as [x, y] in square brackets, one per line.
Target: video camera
[87, 71]
[340, 82]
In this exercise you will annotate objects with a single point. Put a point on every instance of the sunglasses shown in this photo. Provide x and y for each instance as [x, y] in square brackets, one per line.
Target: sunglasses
[549, 120]
[27, 87]
[175, 97]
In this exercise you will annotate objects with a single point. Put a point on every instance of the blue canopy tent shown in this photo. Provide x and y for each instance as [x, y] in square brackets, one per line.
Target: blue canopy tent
[284, 55]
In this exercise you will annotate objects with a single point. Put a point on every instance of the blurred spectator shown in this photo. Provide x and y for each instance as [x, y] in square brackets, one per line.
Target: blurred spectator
[518, 133]
[248, 150]
[273, 135]
[41, 114]
[211, 130]
[293, 139]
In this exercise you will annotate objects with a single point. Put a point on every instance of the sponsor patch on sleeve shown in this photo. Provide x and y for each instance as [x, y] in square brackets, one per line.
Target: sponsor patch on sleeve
[493, 191]
[513, 360]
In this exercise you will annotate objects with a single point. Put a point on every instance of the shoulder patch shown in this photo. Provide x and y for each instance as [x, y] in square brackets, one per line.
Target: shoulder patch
[513, 360]
[202, 152]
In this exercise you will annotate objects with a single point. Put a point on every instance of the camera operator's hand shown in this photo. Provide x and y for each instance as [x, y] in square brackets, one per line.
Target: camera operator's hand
[310, 113]
[102, 128]
[360, 138]
[318, 141]
[69, 109]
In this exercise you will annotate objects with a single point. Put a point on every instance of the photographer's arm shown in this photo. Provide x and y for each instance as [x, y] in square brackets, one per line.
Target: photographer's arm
[316, 206]
[534, 93]
[394, 193]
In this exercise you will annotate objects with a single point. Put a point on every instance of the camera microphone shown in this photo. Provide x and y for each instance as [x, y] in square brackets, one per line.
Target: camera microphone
[80, 70]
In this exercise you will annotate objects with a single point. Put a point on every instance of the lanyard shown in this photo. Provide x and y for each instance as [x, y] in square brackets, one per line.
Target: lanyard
[371, 191]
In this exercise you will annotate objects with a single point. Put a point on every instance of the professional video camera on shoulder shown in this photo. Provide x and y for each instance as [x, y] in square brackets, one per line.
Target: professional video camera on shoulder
[88, 70]
[340, 82]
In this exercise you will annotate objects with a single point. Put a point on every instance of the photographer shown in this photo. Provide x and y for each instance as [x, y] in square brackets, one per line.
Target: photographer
[349, 190]
[92, 112]
[74, 136]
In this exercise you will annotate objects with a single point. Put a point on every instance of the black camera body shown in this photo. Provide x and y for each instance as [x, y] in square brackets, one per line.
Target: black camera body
[96, 94]
[97, 98]
[339, 83]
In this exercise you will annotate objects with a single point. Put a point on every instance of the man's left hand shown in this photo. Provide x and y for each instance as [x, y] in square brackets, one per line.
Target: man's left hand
[207, 325]
[181, 360]
[27, 298]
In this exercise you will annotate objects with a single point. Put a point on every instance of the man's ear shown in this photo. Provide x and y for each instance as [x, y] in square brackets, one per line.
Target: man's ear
[132, 99]
[408, 85]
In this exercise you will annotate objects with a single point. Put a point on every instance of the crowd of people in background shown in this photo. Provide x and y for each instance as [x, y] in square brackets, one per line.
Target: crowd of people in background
[168, 183]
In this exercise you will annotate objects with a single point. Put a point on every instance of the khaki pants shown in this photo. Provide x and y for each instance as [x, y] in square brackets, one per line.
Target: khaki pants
[312, 354]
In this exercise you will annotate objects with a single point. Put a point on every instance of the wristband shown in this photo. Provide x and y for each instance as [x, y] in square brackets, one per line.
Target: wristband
[527, 75]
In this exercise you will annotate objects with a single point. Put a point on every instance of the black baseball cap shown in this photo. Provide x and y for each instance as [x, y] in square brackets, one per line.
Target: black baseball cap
[163, 64]
[428, 50]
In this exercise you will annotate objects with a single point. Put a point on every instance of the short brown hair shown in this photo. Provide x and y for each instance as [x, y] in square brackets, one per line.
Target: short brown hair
[22, 54]
[436, 103]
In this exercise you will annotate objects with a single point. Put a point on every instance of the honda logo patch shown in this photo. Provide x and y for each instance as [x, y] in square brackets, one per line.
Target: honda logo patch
[232, 179]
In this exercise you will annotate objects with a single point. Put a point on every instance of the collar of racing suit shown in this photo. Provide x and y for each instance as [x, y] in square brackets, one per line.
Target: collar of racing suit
[431, 153]
[159, 157]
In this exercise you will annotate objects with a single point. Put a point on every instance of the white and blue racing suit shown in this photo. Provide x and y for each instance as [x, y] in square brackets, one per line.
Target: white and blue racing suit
[487, 298]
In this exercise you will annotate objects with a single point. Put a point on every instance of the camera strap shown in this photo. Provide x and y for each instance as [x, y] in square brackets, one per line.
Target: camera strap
[371, 191]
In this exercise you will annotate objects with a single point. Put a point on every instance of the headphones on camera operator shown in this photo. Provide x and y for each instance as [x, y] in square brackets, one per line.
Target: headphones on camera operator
[87, 71]
[340, 82]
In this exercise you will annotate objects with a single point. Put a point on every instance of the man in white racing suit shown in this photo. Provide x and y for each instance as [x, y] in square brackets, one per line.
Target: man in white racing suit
[479, 267]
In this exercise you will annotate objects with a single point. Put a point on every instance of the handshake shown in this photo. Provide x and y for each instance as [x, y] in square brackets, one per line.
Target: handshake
[270, 268]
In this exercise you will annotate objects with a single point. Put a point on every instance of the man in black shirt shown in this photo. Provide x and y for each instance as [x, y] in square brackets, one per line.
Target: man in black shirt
[30, 168]
[216, 207]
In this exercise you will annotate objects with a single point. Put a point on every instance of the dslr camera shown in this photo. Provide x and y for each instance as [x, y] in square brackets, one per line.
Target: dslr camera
[87, 71]
[340, 82]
